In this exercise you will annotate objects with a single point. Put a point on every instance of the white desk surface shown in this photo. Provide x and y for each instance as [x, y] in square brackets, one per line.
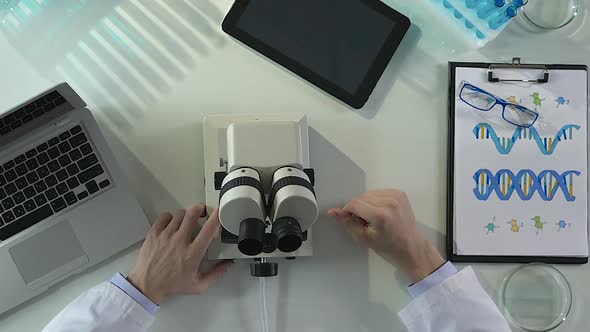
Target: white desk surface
[151, 94]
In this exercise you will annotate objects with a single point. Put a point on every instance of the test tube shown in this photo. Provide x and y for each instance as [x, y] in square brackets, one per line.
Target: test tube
[520, 3]
[472, 3]
[488, 9]
[500, 20]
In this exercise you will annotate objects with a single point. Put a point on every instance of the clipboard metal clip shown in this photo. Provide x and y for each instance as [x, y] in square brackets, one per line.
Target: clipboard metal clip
[516, 64]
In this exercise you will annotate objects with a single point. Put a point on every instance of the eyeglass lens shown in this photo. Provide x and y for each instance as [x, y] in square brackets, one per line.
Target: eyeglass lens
[519, 115]
[477, 99]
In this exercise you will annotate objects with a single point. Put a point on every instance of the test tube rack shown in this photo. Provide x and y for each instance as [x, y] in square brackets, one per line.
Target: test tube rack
[480, 20]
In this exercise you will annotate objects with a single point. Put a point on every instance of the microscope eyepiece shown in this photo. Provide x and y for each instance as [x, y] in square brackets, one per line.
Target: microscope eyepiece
[242, 209]
[287, 233]
[251, 237]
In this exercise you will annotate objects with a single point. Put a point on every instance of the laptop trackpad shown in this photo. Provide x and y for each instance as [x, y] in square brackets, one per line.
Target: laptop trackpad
[49, 254]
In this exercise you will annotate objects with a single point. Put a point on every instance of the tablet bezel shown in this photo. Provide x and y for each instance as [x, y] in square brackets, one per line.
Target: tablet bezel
[356, 100]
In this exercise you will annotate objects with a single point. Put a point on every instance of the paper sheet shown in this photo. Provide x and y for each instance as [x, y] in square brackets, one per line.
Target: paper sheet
[522, 192]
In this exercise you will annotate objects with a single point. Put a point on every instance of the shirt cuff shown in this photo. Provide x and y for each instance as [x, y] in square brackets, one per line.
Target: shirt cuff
[123, 284]
[437, 277]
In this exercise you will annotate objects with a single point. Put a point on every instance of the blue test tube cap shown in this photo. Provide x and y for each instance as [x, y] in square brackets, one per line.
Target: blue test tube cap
[511, 11]
[520, 3]
[500, 3]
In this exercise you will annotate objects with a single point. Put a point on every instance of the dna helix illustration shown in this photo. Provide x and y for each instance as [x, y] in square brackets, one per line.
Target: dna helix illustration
[504, 145]
[525, 183]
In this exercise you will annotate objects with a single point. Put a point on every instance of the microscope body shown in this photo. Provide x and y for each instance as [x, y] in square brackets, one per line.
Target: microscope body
[258, 174]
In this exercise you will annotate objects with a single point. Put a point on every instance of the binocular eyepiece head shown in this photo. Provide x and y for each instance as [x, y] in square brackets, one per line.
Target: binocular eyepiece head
[286, 235]
[292, 209]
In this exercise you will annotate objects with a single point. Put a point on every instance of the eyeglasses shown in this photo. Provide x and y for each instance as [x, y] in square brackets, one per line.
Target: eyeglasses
[482, 100]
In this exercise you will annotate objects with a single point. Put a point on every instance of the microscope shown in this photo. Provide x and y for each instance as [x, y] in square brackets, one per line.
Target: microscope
[257, 172]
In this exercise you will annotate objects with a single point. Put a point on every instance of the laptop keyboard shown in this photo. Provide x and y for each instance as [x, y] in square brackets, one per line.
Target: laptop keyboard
[30, 111]
[61, 172]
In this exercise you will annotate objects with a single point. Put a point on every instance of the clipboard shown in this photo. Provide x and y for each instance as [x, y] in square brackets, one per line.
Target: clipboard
[498, 73]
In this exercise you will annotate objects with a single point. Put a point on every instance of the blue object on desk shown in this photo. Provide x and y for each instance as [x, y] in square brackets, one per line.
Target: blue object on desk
[511, 11]
[488, 9]
[472, 3]
[483, 19]
[502, 18]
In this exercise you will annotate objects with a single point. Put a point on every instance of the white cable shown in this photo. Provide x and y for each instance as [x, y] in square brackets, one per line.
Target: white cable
[263, 313]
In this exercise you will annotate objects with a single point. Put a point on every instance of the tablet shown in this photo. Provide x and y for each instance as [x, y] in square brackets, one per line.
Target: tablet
[341, 46]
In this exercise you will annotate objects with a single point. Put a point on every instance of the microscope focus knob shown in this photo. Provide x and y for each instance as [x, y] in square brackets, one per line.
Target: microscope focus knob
[264, 269]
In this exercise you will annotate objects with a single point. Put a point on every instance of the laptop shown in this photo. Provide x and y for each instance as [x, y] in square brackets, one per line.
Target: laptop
[64, 203]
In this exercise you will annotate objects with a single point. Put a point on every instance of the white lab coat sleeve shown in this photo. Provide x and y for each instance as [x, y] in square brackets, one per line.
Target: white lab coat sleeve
[101, 309]
[459, 304]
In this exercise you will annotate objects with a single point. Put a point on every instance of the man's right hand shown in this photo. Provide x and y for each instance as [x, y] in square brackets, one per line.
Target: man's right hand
[169, 259]
[383, 220]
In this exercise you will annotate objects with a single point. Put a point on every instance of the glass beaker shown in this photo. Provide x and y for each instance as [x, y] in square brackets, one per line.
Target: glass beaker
[551, 14]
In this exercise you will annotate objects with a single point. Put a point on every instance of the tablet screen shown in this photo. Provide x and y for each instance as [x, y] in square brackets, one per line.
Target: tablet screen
[338, 40]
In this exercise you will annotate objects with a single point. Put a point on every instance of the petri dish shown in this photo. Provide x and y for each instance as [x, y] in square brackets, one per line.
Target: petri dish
[536, 297]
[551, 14]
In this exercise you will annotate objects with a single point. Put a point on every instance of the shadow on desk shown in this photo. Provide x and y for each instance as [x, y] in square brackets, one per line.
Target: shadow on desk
[177, 179]
[121, 53]
[148, 190]
[329, 291]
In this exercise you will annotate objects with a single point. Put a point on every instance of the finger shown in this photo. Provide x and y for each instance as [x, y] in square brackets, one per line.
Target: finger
[356, 227]
[347, 219]
[161, 222]
[338, 213]
[207, 279]
[364, 210]
[343, 216]
[176, 221]
[353, 223]
[190, 224]
[206, 235]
